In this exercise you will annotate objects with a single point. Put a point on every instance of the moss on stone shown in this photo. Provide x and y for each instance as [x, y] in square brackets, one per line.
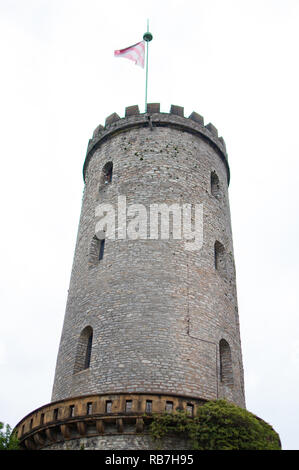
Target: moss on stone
[219, 425]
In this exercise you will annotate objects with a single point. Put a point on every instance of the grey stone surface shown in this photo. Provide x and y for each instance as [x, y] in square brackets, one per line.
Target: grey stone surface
[120, 442]
[158, 312]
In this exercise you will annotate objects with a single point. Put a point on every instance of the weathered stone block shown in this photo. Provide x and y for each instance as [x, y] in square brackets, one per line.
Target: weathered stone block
[111, 119]
[153, 108]
[178, 110]
[196, 117]
[212, 129]
[132, 111]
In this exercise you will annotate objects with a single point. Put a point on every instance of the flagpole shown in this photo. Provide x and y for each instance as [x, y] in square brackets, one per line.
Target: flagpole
[147, 37]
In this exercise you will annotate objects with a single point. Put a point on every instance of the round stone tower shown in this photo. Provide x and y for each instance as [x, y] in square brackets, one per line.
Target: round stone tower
[151, 322]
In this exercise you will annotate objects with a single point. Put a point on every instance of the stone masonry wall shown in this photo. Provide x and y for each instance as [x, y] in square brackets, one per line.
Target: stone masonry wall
[120, 442]
[157, 311]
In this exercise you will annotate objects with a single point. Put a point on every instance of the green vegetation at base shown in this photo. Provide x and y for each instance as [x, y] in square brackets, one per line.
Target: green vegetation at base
[219, 425]
[8, 439]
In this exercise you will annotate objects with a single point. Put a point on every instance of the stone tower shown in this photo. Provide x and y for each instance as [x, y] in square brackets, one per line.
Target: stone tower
[150, 324]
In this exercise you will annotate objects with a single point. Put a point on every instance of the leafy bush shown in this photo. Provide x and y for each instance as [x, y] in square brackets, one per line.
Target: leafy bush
[8, 439]
[219, 425]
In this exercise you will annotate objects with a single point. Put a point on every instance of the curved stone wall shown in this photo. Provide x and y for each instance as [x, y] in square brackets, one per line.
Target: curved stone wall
[115, 421]
[157, 312]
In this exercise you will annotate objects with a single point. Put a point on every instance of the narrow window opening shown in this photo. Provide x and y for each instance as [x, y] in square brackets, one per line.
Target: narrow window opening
[128, 405]
[108, 406]
[55, 414]
[190, 409]
[215, 185]
[89, 408]
[42, 418]
[102, 247]
[31, 423]
[88, 351]
[107, 173]
[96, 251]
[72, 411]
[169, 406]
[149, 406]
[23, 429]
[84, 350]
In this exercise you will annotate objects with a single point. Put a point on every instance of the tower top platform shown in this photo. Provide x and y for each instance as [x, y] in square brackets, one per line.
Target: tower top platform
[154, 118]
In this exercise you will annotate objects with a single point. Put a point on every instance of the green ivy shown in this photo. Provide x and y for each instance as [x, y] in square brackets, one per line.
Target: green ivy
[219, 425]
[8, 439]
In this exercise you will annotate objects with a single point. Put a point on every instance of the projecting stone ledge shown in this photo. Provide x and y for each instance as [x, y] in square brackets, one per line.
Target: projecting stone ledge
[97, 415]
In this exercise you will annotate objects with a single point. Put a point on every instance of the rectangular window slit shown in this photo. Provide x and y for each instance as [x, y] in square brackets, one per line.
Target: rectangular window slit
[128, 405]
[190, 409]
[149, 406]
[89, 408]
[169, 406]
[102, 246]
[108, 406]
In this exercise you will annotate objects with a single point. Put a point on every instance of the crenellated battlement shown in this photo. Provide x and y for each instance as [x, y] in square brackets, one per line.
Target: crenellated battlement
[151, 326]
[154, 118]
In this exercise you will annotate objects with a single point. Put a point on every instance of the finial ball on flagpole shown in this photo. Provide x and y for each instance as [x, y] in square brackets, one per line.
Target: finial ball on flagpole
[148, 36]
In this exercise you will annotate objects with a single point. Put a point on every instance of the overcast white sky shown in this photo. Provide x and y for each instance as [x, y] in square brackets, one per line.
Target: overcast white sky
[233, 61]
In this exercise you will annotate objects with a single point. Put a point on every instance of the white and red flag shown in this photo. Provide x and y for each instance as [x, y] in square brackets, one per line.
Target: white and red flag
[135, 53]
